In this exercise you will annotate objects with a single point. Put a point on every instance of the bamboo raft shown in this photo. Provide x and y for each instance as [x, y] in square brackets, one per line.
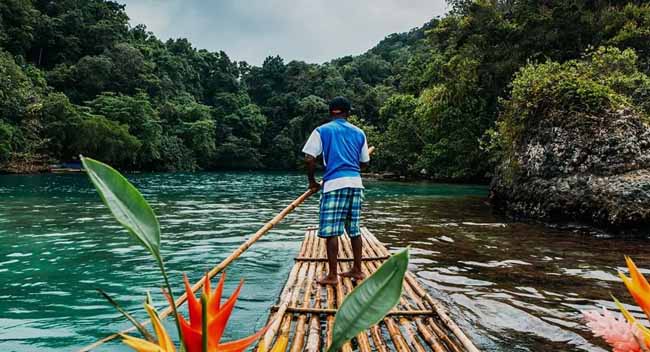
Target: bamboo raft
[304, 316]
[306, 310]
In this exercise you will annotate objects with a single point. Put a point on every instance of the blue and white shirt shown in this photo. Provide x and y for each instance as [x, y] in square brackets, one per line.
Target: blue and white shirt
[343, 146]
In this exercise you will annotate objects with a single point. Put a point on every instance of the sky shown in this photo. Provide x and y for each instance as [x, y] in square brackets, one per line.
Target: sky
[314, 31]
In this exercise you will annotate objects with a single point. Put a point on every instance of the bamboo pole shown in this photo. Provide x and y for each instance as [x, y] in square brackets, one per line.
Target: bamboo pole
[377, 340]
[285, 328]
[396, 335]
[340, 296]
[330, 319]
[302, 273]
[287, 293]
[376, 248]
[301, 324]
[409, 286]
[431, 338]
[324, 259]
[394, 332]
[327, 311]
[362, 337]
[313, 339]
[375, 331]
[441, 312]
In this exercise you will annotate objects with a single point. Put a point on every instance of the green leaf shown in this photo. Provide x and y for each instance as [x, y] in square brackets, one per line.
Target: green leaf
[126, 203]
[128, 316]
[369, 302]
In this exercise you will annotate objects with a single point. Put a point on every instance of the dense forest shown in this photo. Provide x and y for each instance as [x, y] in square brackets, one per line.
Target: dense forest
[442, 101]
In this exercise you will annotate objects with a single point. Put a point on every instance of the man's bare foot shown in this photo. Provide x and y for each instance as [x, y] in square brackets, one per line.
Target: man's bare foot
[354, 274]
[328, 280]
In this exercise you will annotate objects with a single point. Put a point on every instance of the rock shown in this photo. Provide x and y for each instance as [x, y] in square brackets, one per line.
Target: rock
[586, 169]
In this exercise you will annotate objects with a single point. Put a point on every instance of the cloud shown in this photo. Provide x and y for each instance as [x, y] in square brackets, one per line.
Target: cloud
[309, 30]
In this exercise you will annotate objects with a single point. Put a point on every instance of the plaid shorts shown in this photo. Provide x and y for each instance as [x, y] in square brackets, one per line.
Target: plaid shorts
[340, 210]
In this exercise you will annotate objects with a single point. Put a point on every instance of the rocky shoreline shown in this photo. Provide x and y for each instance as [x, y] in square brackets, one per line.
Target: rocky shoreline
[593, 170]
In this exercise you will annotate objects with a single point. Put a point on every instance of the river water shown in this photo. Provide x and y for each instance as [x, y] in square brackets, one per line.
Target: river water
[512, 286]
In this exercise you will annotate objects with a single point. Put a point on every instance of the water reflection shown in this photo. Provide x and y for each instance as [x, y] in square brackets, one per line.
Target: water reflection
[512, 286]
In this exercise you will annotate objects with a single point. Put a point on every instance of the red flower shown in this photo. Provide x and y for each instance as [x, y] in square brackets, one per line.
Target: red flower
[217, 319]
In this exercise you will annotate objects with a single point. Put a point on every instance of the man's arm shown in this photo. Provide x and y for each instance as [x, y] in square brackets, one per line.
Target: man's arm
[313, 148]
[311, 170]
[364, 156]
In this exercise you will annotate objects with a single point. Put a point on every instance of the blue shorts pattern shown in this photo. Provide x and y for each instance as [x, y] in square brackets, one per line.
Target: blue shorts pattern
[340, 210]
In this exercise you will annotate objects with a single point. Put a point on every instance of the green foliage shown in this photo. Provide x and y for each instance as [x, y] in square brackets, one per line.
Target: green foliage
[175, 155]
[136, 113]
[17, 21]
[108, 140]
[606, 79]
[6, 136]
[369, 302]
[71, 71]
[15, 89]
[68, 30]
[630, 28]
[61, 125]
[401, 143]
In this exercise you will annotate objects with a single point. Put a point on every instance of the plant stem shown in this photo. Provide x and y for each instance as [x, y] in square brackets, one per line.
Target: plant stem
[204, 322]
[173, 301]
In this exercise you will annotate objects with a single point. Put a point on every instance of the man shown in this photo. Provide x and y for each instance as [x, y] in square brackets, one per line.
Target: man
[345, 153]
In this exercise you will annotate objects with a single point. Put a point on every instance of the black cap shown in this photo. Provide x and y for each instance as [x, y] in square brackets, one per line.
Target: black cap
[339, 105]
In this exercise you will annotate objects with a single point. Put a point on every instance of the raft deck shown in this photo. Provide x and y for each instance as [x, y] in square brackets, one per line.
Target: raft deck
[417, 323]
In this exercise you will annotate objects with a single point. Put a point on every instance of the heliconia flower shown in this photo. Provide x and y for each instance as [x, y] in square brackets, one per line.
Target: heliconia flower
[217, 319]
[621, 335]
[638, 286]
[164, 344]
[193, 330]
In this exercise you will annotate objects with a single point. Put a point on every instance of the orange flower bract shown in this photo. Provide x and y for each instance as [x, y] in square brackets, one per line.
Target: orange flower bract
[217, 319]
[638, 286]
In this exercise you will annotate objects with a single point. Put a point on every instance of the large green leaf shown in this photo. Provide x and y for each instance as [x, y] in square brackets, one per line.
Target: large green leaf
[126, 203]
[369, 302]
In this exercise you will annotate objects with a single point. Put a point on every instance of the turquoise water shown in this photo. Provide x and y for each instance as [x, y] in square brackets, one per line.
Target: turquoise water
[512, 286]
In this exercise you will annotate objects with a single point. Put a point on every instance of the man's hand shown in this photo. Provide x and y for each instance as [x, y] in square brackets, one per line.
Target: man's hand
[314, 186]
[311, 168]
[363, 166]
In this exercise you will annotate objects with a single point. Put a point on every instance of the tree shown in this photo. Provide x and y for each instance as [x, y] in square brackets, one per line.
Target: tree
[16, 89]
[61, 125]
[17, 21]
[6, 136]
[138, 116]
[106, 140]
[68, 30]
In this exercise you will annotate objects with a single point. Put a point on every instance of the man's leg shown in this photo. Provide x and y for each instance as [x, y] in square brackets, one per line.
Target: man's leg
[354, 231]
[357, 247]
[330, 227]
[331, 278]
